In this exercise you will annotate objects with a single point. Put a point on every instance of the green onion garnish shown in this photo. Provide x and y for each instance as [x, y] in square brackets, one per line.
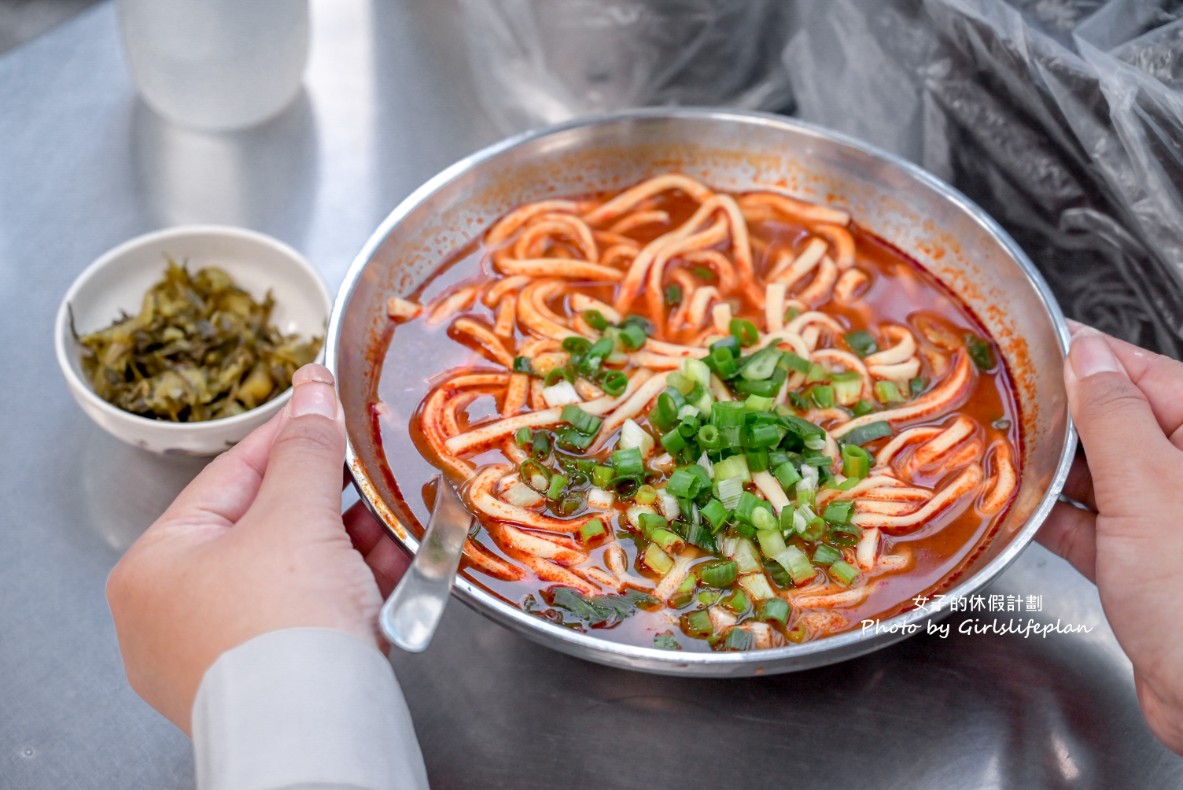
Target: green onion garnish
[595, 319]
[738, 639]
[580, 420]
[633, 337]
[843, 572]
[698, 623]
[888, 392]
[592, 531]
[614, 382]
[917, 385]
[861, 343]
[856, 462]
[744, 331]
[673, 295]
[718, 573]
[522, 436]
[602, 476]
[558, 484]
[867, 433]
[826, 555]
[628, 463]
[773, 609]
[522, 365]
[715, 513]
[839, 512]
[656, 559]
[980, 351]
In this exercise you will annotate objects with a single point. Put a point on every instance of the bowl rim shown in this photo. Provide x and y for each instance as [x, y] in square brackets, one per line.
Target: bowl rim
[62, 334]
[849, 644]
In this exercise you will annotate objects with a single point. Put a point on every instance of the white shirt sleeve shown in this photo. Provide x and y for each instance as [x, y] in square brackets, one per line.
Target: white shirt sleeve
[304, 708]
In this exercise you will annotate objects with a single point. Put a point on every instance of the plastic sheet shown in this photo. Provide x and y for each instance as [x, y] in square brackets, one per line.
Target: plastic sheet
[544, 61]
[1062, 118]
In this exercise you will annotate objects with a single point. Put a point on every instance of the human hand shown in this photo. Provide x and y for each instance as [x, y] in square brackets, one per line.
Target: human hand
[255, 543]
[1126, 405]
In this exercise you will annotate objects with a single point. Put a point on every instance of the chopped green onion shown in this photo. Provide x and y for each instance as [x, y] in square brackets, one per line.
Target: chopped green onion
[727, 414]
[856, 461]
[737, 602]
[535, 475]
[744, 331]
[558, 484]
[748, 504]
[757, 460]
[673, 295]
[756, 585]
[843, 572]
[570, 503]
[917, 385]
[602, 476]
[738, 639]
[540, 445]
[633, 337]
[571, 439]
[847, 387]
[595, 319]
[845, 535]
[614, 382]
[715, 513]
[522, 365]
[758, 403]
[761, 364]
[575, 344]
[628, 463]
[888, 392]
[761, 435]
[729, 492]
[821, 395]
[684, 483]
[718, 573]
[522, 436]
[684, 593]
[773, 609]
[709, 438]
[698, 623]
[867, 433]
[647, 522]
[839, 512]
[592, 531]
[862, 343]
[646, 495]
[668, 541]
[656, 559]
[673, 441]
[796, 363]
[863, 407]
[580, 420]
[797, 564]
[786, 474]
[980, 351]
[826, 555]
[734, 467]
[816, 373]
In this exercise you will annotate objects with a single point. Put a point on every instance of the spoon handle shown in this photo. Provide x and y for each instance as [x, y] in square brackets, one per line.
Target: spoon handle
[412, 612]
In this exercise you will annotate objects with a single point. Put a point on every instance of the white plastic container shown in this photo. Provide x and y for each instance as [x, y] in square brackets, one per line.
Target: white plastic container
[216, 64]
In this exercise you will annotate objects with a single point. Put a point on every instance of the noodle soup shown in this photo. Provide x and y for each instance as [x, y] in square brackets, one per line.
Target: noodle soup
[698, 420]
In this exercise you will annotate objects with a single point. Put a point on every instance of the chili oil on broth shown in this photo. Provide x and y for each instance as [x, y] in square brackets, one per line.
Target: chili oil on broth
[899, 291]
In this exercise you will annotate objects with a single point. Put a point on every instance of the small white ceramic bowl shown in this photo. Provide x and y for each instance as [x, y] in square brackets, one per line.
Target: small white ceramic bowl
[116, 283]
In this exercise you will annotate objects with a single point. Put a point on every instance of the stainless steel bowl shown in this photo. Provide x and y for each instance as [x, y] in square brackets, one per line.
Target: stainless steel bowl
[935, 224]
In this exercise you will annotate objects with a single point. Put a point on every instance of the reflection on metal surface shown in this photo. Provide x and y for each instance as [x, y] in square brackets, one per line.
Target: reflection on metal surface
[125, 488]
[257, 178]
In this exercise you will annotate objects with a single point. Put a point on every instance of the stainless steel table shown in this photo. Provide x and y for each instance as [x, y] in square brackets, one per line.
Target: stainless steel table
[388, 101]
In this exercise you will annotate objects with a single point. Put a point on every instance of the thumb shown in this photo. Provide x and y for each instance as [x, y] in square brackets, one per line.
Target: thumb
[1121, 437]
[303, 477]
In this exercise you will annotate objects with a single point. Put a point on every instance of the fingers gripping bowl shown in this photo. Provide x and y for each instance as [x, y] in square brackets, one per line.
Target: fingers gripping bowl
[737, 155]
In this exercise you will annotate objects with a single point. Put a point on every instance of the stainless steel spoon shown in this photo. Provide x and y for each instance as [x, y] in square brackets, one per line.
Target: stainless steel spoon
[412, 612]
